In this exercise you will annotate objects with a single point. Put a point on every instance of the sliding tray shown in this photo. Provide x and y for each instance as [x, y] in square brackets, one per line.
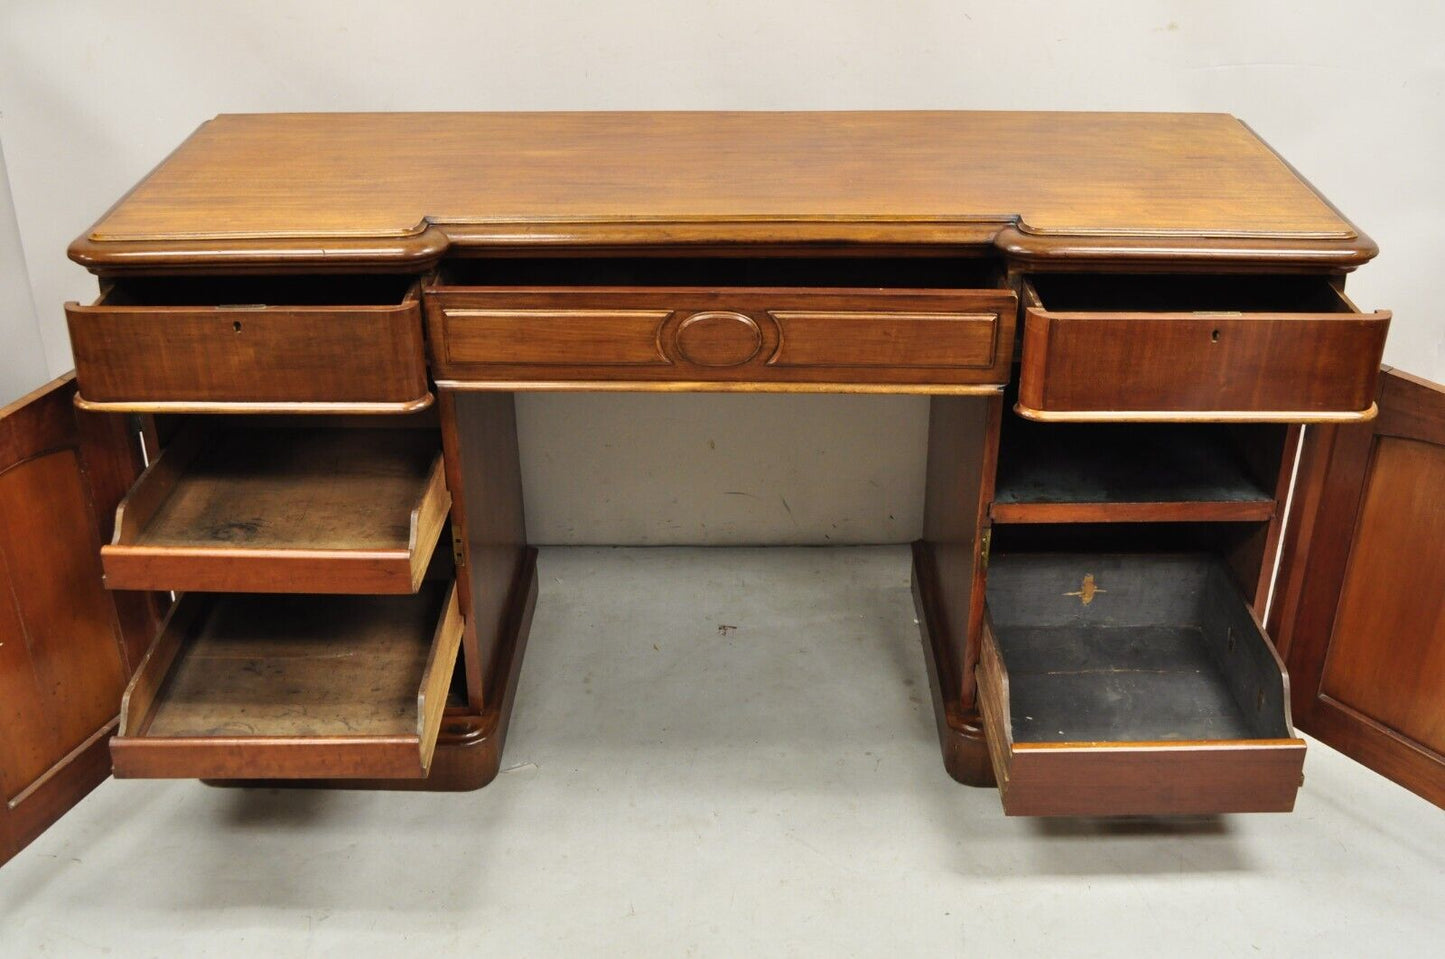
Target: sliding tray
[1132, 685]
[283, 510]
[292, 687]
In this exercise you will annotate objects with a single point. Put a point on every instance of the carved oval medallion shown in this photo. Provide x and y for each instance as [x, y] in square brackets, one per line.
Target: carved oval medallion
[718, 338]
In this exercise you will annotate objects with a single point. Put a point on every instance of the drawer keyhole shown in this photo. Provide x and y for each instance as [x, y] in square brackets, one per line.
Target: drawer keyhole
[236, 326]
[1214, 337]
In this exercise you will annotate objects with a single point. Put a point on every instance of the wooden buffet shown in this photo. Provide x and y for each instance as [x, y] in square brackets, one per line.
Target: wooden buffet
[271, 528]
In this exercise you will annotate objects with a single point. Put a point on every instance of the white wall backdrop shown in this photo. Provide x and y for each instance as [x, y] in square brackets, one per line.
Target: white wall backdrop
[93, 94]
[22, 356]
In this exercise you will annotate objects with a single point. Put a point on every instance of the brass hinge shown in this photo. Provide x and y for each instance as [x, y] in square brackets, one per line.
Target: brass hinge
[459, 554]
[984, 544]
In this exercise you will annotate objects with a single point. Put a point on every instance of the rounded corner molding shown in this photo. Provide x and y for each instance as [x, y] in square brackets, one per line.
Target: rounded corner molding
[718, 338]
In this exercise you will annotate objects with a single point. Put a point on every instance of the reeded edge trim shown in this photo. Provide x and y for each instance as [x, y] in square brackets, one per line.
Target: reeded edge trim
[193, 406]
[706, 386]
[1195, 416]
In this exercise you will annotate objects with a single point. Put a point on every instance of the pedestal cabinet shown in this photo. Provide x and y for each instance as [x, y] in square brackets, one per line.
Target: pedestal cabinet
[272, 529]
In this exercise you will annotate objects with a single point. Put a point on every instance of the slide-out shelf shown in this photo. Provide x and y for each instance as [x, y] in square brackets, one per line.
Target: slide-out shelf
[1110, 473]
[240, 686]
[1117, 684]
[266, 508]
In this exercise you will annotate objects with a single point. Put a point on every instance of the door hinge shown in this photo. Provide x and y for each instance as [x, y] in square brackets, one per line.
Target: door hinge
[459, 555]
[985, 543]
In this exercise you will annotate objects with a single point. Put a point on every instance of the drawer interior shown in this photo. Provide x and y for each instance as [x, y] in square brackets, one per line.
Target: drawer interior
[715, 272]
[1183, 293]
[260, 507]
[255, 292]
[1132, 684]
[248, 686]
[1116, 472]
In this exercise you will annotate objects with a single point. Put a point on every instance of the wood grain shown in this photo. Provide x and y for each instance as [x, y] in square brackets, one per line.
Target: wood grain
[278, 509]
[63, 660]
[1360, 612]
[355, 188]
[782, 336]
[1196, 352]
[292, 687]
[192, 356]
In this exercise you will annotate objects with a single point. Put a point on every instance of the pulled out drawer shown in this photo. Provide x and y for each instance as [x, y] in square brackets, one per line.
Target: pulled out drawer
[292, 687]
[729, 323]
[283, 509]
[1237, 348]
[1132, 685]
[252, 344]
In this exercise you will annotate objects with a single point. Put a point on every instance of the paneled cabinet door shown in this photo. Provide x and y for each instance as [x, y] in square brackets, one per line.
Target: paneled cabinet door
[66, 647]
[1360, 617]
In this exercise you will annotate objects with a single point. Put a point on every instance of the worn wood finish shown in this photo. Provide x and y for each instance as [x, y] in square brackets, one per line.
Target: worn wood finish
[1147, 688]
[469, 746]
[1174, 347]
[63, 662]
[1361, 617]
[251, 346]
[292, 687]
[1112, 473]
[289, 510]
[353, 189]
[780, 336]
[949, 569]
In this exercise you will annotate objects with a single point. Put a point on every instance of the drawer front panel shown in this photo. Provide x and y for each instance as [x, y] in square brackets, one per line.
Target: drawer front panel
[272, 357]
[1075, 363]
[745, 336]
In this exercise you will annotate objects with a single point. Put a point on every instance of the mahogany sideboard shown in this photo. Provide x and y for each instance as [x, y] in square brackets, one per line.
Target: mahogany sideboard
[272, 529]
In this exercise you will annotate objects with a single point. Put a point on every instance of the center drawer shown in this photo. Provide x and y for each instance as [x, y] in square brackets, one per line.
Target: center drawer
[1175, 347]
[292, 687]
[1124, 684]
[740, 324]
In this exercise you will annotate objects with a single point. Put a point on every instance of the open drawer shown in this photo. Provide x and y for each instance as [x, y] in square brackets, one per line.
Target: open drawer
[731, 323]
[292, 687]
[252, 344]
[1176, 347]
[1131, 685]
[283, 509]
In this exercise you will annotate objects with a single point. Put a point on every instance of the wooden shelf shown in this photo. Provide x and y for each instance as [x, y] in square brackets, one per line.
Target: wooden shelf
[286, 687]
[1107, 473]
[335, 509]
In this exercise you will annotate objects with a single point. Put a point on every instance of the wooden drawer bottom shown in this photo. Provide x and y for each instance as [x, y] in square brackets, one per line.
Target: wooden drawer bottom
[292, 687]
[1131, 685]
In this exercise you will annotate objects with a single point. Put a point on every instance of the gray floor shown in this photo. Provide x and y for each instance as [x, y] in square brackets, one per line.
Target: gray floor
[674, 788]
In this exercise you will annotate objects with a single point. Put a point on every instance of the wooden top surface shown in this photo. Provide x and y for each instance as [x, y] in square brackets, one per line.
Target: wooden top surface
[405, 187]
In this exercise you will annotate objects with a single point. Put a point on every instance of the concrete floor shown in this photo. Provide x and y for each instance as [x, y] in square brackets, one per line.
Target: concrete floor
[674, 789]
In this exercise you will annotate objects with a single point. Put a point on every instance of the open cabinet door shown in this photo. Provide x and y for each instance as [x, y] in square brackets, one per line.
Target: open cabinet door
[66, 647]
[1360, 616]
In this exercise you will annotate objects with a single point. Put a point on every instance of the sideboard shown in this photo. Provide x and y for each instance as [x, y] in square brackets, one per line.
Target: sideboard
[271, 528]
